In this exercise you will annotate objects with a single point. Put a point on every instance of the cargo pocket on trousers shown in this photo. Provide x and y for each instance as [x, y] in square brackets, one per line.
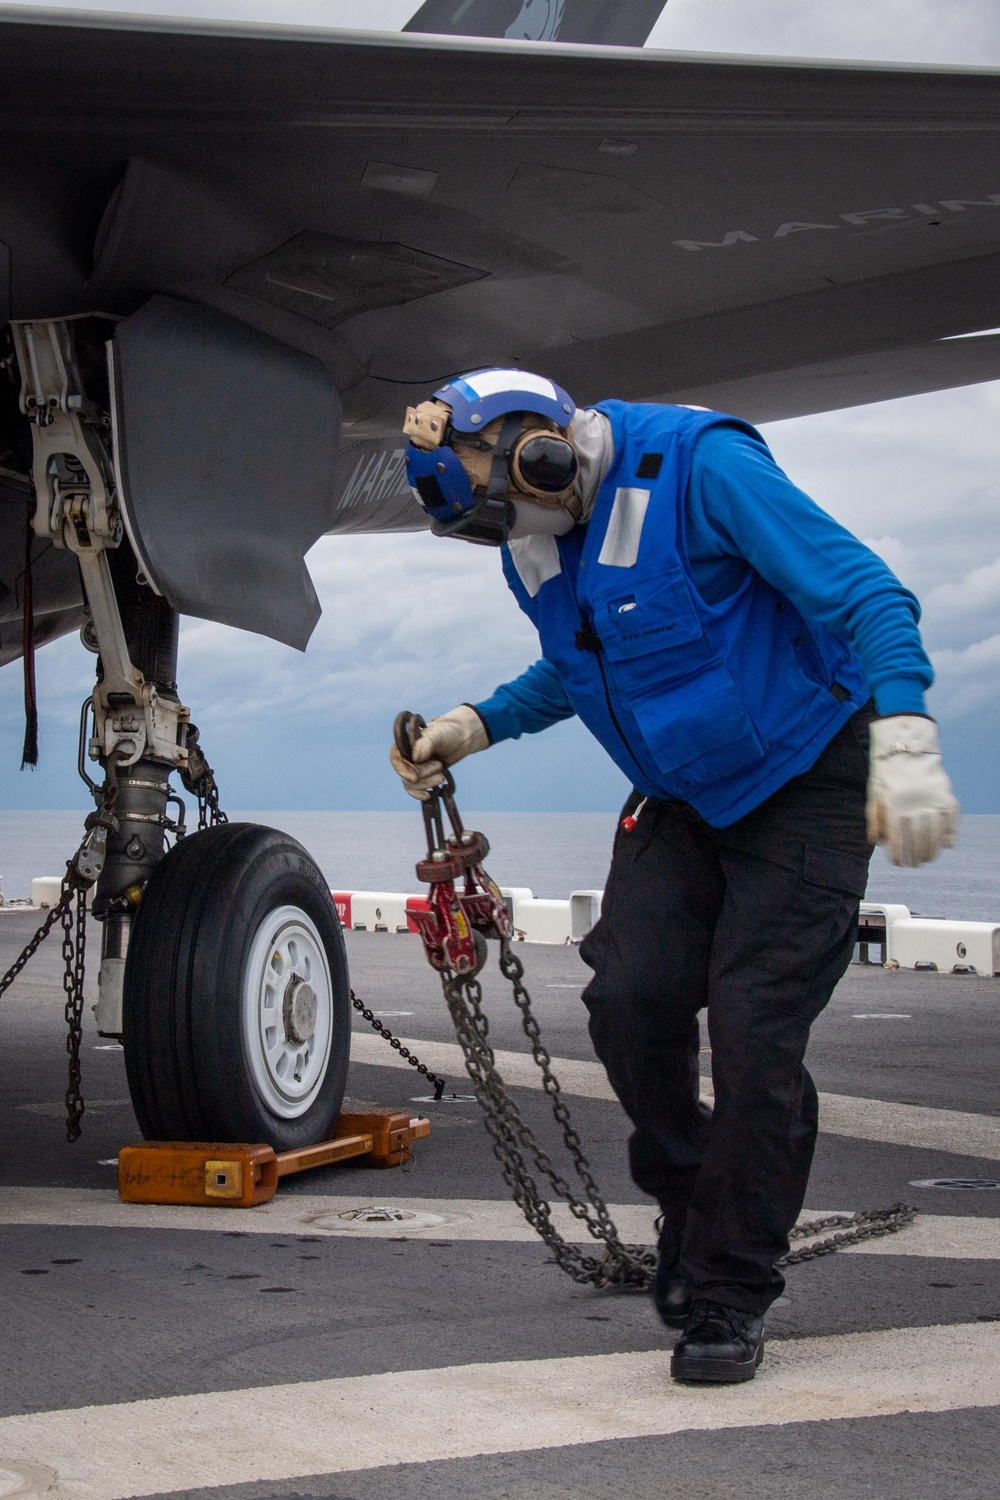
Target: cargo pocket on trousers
[834, 870]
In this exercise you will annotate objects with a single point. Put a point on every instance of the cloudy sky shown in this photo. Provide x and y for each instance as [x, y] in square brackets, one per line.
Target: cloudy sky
[918, 479]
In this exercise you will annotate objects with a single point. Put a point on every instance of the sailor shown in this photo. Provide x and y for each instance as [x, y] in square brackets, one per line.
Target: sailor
[757, 673]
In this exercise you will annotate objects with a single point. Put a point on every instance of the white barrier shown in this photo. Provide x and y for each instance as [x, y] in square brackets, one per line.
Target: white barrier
[927, 943]
[512, 894]
[535, 921]
[903, 941]
[888, 914]
[542, 921]
[584, 911]
[375, 911]
[46, 890]
[934, 943]
[873, 927]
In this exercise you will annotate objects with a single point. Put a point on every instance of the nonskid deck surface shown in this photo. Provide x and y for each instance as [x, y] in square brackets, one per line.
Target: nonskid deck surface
[279, 1351]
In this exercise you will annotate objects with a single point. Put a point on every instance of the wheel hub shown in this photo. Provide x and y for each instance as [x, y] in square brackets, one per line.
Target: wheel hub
[299, 1009]
[287, 1011]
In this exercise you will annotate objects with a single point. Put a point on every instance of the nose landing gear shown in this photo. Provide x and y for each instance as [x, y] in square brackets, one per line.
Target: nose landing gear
[223, 964]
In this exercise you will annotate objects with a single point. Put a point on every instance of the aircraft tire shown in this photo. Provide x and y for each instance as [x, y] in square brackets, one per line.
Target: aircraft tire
[237, 1002]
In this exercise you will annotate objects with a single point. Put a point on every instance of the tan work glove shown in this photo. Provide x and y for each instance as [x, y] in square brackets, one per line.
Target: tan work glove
[911, 807]
[445, 741]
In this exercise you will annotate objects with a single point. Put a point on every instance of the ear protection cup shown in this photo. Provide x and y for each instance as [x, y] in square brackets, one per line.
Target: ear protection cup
[544, 466]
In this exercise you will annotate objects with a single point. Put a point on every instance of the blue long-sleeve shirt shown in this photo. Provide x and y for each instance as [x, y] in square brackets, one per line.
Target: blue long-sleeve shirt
[741, 508]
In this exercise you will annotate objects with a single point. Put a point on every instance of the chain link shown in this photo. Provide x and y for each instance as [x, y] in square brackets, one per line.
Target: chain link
[74, 947]
[620, 1265]
[73, 919]
[198, 778]
[70, 911]
[517, 1150]
[34, 943]
[210, 814]
[865, 1225]
[435, 1079]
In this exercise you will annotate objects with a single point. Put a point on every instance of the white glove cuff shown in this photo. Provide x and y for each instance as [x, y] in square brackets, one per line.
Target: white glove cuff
[903, 734]
[452, 736]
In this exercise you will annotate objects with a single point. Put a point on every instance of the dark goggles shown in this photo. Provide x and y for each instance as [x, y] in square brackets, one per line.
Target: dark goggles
[543, 464]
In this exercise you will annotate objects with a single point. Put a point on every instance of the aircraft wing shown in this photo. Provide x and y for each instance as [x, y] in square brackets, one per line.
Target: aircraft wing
[770, 237]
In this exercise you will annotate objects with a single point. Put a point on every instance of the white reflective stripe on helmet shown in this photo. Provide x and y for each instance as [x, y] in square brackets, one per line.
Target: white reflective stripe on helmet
[492, 382]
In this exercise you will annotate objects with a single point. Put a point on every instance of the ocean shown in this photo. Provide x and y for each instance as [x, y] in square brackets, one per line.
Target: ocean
[551, 853]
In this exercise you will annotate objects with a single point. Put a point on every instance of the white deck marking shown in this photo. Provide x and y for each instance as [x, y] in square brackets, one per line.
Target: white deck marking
[938, 1236]
[279, 1433]
[948, 1130]
[934, 1236]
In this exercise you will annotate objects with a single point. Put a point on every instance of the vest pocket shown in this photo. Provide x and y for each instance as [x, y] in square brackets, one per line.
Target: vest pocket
[651, 632]
[698, 731]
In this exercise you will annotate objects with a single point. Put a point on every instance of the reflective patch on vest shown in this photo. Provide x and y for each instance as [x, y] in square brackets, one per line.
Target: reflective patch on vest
[624, 533]
[536, 559]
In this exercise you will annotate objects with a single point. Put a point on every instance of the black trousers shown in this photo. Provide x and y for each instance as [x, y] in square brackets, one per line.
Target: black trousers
[754, 923]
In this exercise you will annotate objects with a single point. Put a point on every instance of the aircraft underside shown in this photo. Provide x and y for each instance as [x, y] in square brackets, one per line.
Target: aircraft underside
[228, 260]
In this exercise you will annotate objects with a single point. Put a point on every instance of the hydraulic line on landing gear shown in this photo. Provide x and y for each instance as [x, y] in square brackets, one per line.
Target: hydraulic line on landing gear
[455, 927]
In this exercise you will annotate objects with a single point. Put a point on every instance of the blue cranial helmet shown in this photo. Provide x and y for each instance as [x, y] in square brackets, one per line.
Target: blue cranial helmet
[484, 395]
[539, 463]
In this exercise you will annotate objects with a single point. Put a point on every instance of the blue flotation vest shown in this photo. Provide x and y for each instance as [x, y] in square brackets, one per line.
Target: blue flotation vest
[718, 704]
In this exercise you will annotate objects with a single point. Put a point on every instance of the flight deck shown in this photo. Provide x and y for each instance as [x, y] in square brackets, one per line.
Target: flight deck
[313, 1347]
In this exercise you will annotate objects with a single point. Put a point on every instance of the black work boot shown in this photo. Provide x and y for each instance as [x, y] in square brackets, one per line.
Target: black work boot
[719, 1344]
[671, 1292]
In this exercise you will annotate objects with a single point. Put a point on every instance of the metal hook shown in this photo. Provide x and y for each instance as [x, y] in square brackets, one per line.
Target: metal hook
[406, 732]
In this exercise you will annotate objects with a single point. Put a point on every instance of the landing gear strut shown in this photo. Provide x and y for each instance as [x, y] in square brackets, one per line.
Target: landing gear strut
[136, 846]
[223, 968]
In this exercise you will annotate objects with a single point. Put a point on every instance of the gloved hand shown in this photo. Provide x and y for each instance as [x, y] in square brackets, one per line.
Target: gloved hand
[911, 807]
[445, 740]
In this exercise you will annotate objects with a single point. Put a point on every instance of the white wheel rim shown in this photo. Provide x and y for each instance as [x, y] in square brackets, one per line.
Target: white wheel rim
[287, 1050]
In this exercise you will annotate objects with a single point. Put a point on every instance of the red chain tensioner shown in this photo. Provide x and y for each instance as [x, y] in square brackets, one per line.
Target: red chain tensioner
[456, 922]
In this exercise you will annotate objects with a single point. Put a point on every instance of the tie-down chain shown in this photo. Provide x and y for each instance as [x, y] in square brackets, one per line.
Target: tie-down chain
[70, 911]
[455, 927]
[82, 872]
